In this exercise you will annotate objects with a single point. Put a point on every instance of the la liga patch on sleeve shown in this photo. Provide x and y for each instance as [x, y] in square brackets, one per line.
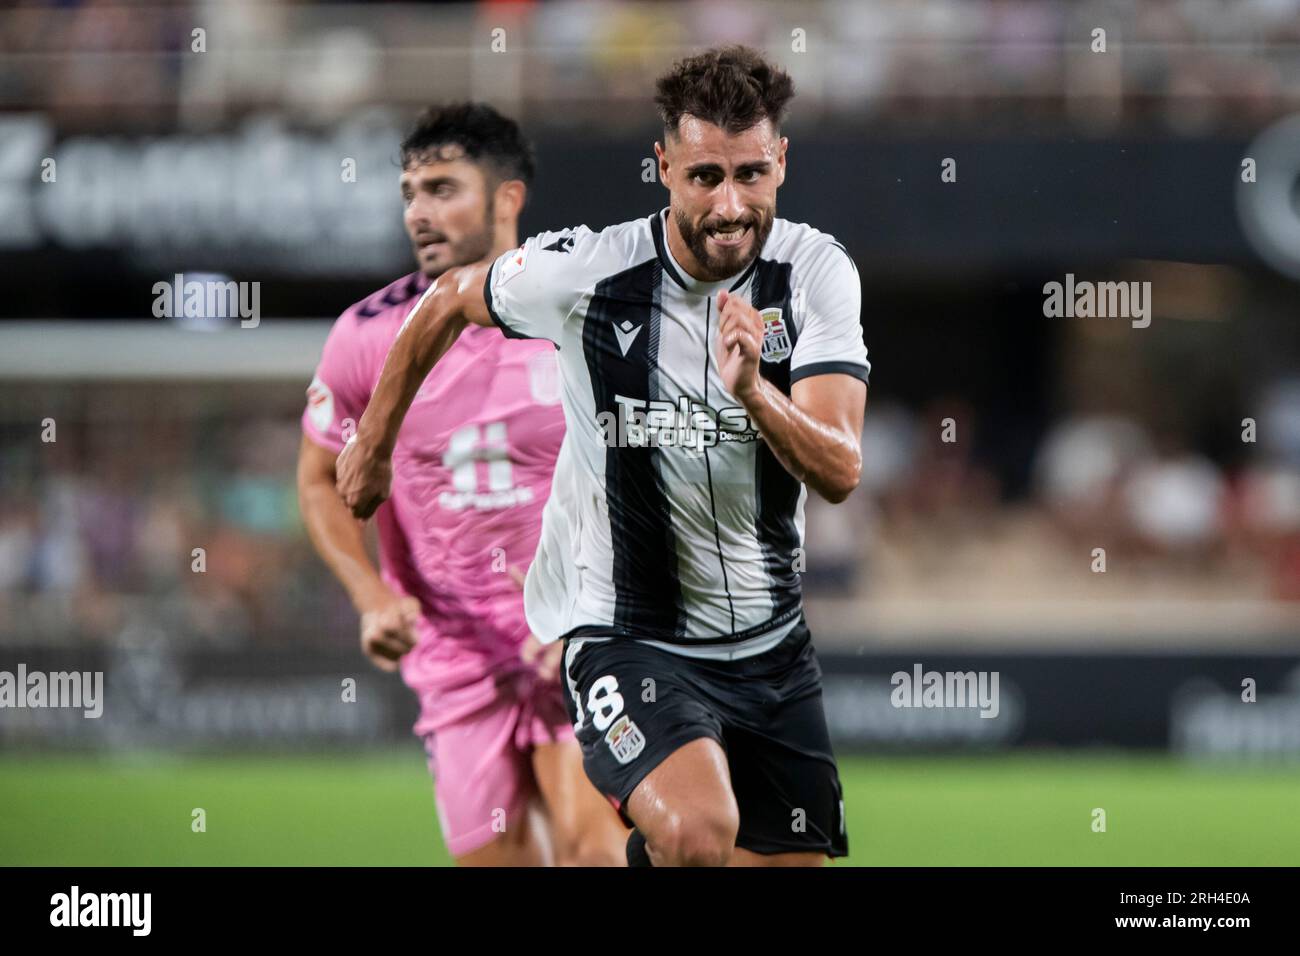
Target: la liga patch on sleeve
[514, 265]
[320, 404]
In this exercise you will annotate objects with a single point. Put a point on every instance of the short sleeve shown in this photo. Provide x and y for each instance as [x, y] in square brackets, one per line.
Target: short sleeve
[340, 389]
[830, 335]
[532, 290]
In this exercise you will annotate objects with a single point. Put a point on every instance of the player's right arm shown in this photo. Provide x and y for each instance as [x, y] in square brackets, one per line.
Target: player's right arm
[364, 469]
[388, 619]
[528, 292]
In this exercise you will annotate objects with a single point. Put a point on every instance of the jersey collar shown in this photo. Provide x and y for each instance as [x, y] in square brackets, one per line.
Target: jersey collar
[679, 275]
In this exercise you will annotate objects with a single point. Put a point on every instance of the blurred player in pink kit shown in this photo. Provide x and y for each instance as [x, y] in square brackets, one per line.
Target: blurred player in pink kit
[472, 471]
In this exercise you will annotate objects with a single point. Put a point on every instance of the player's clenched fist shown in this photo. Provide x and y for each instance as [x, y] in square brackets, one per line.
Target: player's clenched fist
[388, 631]
[740, 342]
[364, 478]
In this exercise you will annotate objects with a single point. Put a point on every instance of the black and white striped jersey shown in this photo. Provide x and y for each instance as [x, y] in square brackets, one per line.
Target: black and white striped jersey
[670, 520]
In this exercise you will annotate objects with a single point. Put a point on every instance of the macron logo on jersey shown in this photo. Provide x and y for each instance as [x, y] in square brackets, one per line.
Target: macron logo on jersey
[627, 333]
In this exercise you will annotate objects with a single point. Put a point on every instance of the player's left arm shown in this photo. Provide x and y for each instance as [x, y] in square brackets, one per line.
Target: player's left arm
[815, 432]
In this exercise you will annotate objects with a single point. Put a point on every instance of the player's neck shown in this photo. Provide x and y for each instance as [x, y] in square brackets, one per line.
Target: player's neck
[507, 242]
[505, 239]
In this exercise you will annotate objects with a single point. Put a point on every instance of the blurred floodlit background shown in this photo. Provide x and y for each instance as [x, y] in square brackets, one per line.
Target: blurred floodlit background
[1175, 448]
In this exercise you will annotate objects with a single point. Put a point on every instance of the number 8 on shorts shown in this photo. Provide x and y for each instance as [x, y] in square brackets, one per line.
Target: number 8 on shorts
[604, 702]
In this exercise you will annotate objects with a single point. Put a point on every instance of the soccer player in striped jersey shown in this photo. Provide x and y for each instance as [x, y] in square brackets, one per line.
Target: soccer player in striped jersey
[713, 373]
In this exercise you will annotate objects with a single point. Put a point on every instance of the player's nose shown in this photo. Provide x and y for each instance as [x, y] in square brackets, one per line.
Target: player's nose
[420, 213]
[728, 206]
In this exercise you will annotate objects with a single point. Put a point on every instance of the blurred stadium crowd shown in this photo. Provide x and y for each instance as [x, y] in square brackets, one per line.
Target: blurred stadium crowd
[1185, 65]
[98, 529]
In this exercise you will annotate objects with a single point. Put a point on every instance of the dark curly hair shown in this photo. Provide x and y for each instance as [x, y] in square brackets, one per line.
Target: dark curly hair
[485, 135]
[733, 87]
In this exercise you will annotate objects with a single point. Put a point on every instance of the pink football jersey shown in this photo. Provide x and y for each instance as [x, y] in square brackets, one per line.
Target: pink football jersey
[471, 472]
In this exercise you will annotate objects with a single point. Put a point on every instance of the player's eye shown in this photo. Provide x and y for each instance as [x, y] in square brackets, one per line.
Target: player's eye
[445, 191]
[706, 179]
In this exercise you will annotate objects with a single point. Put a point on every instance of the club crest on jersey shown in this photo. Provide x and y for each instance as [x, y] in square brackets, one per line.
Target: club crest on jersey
[625, 740]
[776, 339]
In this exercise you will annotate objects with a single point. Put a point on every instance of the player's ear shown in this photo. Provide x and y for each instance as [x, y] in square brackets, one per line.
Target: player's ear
[780, 161]
[662, 156]
[510, 196]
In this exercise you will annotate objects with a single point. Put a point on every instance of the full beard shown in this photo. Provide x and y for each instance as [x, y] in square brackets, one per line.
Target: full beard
[731, 261]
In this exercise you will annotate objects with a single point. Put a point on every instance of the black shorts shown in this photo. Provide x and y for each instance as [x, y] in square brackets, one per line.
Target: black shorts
[640, 703]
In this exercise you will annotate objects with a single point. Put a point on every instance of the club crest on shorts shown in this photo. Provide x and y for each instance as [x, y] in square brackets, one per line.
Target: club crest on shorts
[625, 740]
[776, 338]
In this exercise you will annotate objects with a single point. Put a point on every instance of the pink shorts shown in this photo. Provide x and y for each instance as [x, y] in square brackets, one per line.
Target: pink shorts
[482, 762]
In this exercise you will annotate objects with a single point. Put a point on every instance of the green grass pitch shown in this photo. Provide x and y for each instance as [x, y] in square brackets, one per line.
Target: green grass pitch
[377, 809]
